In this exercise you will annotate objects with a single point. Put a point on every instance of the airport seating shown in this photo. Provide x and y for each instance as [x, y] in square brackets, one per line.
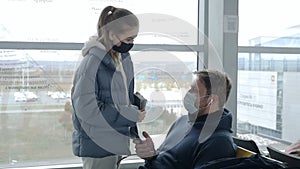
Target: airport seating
[247, 144]
[290, 160]
[242, 152]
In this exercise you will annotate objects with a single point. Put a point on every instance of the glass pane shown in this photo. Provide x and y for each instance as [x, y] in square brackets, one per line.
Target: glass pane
[267, 98]
[35, 115]
[57, 21]
[162, 78]
[269, 23]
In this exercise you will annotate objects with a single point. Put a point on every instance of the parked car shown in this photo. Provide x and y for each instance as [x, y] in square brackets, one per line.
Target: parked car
[19, 97]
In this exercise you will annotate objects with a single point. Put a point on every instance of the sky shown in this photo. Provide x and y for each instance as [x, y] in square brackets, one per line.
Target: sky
[34, 20]
[266, 17]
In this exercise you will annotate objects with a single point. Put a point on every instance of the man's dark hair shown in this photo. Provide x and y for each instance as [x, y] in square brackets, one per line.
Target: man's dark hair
[216, 82]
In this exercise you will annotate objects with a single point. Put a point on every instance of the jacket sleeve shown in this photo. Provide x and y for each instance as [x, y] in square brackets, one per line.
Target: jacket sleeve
[119, 115]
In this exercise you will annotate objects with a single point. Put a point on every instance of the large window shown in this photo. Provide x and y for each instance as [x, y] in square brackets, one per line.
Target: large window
[75, 21]
[268, 71]
[41, 42]
[268, 23]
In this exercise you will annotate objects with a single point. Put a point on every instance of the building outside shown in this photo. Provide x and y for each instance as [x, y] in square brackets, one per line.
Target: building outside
[268, 90]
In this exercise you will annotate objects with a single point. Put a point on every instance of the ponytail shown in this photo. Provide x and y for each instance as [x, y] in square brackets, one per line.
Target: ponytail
[113, 19]
[105, 18]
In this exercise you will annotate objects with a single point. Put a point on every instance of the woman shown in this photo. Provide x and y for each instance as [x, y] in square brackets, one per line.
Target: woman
[102, 92]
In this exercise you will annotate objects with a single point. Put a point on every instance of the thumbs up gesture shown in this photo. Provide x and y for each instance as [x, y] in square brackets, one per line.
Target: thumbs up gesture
[145, 149]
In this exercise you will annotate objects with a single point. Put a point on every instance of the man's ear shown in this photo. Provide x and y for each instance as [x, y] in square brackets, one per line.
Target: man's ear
[214, 98]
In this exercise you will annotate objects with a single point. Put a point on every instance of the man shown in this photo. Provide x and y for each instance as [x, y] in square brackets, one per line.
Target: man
[199, 137]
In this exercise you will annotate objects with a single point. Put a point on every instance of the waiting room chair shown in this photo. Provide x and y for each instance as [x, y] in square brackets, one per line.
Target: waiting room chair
[242, 152]
[247, 144]
[290, 160]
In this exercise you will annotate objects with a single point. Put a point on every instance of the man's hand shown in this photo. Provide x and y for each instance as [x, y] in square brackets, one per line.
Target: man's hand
[144, 149]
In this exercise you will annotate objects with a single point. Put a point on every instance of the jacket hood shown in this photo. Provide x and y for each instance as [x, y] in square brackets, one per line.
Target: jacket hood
[221, 119]
[92, 42]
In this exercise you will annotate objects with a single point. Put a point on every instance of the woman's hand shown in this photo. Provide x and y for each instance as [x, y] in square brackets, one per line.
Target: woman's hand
[142, 115]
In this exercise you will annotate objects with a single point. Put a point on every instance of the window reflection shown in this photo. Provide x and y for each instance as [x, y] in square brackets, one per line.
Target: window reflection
[35, 106]
[266, 96]
[35, 115]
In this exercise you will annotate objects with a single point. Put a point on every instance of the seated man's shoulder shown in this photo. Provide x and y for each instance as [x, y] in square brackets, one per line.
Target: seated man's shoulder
[222, 134]
[221, 140]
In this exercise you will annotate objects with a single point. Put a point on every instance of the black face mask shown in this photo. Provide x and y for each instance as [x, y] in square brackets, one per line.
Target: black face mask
[123, 48]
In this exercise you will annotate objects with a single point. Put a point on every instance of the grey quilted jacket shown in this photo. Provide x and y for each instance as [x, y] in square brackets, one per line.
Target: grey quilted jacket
[101, 96]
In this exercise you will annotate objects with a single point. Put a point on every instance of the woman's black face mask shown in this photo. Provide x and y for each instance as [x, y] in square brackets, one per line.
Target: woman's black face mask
[123, 48]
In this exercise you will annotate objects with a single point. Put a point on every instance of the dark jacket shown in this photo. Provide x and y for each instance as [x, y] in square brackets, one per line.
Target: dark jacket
[101, 96]
[189, 144]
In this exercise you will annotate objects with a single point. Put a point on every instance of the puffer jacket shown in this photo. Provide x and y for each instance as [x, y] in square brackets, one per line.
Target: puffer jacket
[101, 96]
[190, 144]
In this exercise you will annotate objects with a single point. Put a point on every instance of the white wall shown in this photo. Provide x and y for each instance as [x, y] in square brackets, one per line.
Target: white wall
[291, 106]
